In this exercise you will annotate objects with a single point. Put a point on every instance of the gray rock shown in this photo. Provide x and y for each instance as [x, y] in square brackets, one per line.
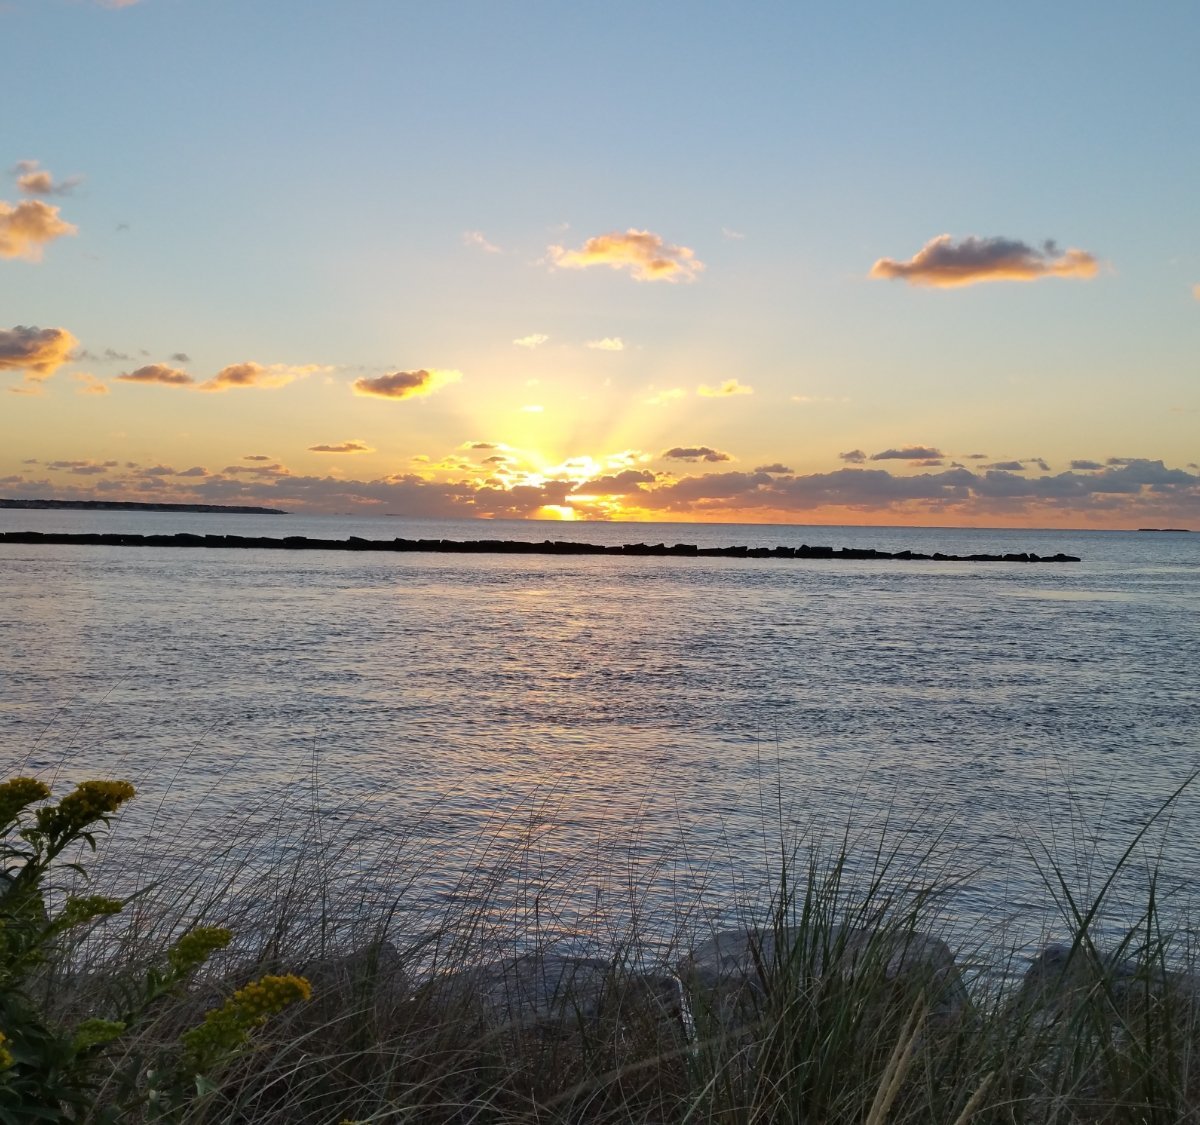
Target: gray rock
[370, 980]
[1062, 979]
[551, 990]
[526, 989]
[735, 970]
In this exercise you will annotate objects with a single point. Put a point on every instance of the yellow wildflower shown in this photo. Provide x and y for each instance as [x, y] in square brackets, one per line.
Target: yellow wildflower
[196, 945]
[84, 909]
[96, 1032]
[225, 1028]
[88, 802]
[18, 793]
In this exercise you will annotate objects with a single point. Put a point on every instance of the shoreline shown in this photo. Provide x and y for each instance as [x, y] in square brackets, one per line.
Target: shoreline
[135, 506]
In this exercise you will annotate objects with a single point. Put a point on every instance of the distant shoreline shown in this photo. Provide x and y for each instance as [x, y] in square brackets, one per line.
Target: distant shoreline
[502, 547]
[133, 506]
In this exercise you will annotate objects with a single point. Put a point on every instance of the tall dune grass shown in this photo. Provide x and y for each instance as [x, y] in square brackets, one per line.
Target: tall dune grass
[821, 1030]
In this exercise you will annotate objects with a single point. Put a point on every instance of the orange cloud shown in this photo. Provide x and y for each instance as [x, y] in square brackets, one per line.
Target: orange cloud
[406, 384]
[36, 183]
[909, 453]
[27, 227]
[158, 373]
[729, 387]
[536, 340]
[944, 264]
[91, 385]
[35, 180]
[342, 447]
[250, 374]
[694, 453]
[608, 344]
[643, 253]
[38, 352]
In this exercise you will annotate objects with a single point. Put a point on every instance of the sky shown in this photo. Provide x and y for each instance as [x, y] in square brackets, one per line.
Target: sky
[932, 263]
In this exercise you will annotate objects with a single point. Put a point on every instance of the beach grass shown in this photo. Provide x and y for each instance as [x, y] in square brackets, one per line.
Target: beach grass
[832, 1006]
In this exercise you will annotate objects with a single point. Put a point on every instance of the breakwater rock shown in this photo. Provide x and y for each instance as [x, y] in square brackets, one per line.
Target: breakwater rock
[505, 547]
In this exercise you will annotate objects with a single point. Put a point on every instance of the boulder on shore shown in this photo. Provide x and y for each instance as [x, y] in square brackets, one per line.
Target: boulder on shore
[1063, 980]
[735, 972]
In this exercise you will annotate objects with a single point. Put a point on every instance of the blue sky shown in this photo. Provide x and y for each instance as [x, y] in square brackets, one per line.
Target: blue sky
[336, 193]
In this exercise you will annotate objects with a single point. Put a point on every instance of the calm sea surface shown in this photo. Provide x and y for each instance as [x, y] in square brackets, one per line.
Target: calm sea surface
[605, 735]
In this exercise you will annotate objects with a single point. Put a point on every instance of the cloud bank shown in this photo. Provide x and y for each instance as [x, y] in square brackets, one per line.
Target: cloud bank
[942, 263]
[1138, 492]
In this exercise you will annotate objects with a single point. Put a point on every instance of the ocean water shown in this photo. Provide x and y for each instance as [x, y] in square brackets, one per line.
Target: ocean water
[597, 739]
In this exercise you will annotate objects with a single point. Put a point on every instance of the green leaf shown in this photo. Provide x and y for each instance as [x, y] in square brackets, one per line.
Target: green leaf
[205, 1086]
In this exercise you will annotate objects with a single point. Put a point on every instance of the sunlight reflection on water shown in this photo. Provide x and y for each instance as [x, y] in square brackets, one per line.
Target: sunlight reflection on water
[602, 729]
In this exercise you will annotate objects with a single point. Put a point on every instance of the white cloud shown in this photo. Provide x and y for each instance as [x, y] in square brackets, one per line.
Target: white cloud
[477, 239]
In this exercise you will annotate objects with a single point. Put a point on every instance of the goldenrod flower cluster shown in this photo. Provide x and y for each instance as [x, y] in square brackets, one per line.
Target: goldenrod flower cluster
[270, 994]
[6, 1058]
[84, 909]
[96, 1032]
[17, 794]
[196, 945]
[225, 1028]
[87, 803]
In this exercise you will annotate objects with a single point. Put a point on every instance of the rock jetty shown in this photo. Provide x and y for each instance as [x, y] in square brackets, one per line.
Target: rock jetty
[504, 547]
